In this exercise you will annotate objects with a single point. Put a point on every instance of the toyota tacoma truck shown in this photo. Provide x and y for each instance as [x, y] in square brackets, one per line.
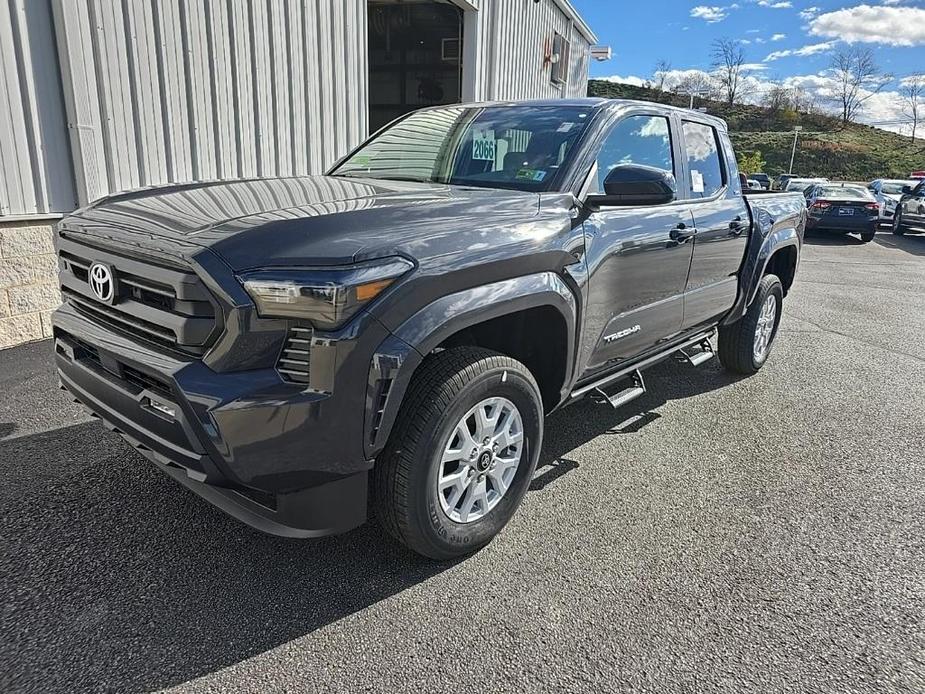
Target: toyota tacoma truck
[387, 338]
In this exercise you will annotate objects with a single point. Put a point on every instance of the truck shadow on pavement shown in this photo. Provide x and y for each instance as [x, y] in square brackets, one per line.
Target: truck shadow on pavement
[115, 578]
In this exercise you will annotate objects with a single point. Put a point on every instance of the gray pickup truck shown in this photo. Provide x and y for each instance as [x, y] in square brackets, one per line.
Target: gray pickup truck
[392, 334]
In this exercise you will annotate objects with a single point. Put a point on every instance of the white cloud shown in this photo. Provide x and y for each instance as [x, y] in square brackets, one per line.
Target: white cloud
[754, 67]
[775, 5]
[883, 107]
[778, 37]
[629, 79]
[709, 13]
[896, 26]
[809, 12]
[811, 49]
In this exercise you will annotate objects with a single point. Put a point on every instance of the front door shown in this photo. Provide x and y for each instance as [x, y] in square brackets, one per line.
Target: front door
[637, 271]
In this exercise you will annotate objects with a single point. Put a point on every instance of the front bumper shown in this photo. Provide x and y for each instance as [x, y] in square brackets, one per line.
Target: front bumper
[281, 458]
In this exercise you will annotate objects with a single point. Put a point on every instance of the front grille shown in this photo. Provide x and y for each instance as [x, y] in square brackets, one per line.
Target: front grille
[164, 305]
[128, 377]
[294, 363]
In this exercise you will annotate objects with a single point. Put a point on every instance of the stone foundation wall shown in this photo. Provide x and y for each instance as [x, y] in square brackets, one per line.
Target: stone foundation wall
[28, 282]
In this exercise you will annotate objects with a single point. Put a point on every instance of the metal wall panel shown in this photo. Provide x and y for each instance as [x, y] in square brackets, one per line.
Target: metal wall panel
[513, 37]
[99, 96]
[35, 166]
[182, 90]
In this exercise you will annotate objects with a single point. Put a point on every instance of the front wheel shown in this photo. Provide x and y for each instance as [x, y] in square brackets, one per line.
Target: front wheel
[462, 453]
[745, 345]
[898, 227]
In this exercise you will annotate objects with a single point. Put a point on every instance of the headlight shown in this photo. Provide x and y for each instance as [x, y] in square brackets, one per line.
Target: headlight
[328, 297]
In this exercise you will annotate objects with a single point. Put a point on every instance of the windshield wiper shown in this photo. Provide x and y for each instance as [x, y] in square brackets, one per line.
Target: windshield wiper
[413, 179]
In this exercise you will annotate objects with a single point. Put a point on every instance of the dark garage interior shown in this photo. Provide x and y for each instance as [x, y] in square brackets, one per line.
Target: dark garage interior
[414, 57]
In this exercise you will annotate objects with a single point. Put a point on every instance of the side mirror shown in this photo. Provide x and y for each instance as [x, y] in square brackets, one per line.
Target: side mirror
[631, 185]
[907, 190]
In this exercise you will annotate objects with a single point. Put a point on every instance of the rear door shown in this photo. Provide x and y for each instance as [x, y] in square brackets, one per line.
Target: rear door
[721, 219]
[637, 260]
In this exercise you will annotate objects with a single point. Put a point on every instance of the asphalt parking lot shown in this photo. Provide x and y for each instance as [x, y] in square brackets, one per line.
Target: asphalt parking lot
[716, 535]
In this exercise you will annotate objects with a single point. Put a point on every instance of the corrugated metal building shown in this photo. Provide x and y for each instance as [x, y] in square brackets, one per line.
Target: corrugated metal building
[99, 96]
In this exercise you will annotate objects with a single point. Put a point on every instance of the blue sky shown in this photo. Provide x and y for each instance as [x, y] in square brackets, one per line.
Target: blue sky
[782, 39]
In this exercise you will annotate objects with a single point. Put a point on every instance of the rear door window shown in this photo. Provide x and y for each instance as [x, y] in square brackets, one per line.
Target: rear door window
[701, 147]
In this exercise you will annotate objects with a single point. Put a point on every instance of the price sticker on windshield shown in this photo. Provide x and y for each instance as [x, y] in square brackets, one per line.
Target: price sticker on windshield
[483, 145]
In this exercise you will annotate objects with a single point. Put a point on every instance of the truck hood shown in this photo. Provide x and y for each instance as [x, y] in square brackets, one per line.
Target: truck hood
[301, 221]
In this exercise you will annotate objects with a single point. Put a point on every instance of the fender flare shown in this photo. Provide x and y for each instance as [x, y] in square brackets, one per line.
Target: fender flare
[755, 264]
[397, 358]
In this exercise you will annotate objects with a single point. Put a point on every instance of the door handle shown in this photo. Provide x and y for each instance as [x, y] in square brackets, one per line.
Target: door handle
[681, 233]
[737, 226]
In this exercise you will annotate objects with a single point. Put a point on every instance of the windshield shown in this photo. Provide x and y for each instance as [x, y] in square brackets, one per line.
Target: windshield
[515, 147]
[842, 192]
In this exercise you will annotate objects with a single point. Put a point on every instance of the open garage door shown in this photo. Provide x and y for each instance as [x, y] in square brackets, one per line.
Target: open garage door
[415, 57]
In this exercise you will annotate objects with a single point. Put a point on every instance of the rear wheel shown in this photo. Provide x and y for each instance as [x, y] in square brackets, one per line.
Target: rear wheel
[868, 236]
[898, 227]
[462, 453]
[745, 345]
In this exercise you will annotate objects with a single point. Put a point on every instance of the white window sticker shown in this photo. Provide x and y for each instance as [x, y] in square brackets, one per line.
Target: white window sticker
[565, 127]
[483, 145]
[696, 181]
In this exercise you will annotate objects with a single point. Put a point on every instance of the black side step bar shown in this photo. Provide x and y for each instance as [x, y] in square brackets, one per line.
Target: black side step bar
[624, 396]
[697, 358]
[597, 385]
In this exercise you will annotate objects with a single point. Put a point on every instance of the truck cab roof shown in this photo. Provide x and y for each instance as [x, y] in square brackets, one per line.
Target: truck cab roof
[600, 104]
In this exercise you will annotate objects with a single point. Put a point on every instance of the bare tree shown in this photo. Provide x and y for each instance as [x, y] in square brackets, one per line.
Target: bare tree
[662, 68]
[913, 99]
[778, 97]
[695, 83]
[803, 100]
[728, 61]
[856, 78]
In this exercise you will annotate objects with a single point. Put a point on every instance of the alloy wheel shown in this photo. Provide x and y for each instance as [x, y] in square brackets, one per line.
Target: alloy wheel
[480, 460]
[765, 328]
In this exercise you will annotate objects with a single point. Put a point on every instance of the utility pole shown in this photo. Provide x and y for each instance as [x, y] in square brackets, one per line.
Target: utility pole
[793, 153]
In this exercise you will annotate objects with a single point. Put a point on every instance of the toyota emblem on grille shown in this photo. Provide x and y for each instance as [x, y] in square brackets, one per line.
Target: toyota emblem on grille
[102, 282]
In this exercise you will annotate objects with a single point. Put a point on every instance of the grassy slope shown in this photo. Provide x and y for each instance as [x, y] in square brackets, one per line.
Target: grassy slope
[826, 147]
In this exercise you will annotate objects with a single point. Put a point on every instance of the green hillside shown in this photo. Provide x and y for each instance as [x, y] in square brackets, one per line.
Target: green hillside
[826, 146]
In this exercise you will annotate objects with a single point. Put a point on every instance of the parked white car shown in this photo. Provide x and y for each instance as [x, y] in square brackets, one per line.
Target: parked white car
[801, 184]
[888, 191]
[754, 185]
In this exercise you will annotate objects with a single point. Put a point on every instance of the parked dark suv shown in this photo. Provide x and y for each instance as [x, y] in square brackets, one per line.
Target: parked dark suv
[397, 329]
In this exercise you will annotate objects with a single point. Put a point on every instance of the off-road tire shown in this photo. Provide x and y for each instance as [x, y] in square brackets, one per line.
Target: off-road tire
[445, 386]
[736, 341]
